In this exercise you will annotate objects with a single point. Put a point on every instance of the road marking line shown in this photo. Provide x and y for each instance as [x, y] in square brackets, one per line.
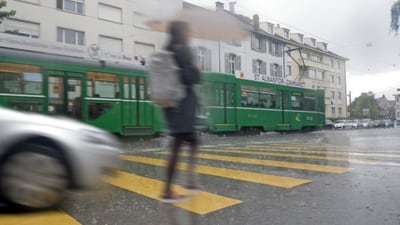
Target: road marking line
[42, 218]
[278, 181]
[363, 161]
[388, 154]
[201, 203]
[292, 165]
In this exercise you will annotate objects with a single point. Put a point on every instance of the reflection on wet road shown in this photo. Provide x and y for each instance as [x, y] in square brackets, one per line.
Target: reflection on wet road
[284, 166]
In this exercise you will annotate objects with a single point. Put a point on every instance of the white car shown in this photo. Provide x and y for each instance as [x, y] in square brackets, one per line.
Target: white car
[41, 157]
[339, 124]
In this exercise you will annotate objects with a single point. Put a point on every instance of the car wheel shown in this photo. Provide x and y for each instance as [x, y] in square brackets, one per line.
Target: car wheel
[33, 176]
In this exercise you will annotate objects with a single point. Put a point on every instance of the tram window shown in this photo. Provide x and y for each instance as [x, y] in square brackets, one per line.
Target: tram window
[296, 102]
[309, 103]
[230, 93]
[20, 79]
[220, 96]
[267, 101]
[102, 85]
[21, 83]
[250, 99]
[98, 109]
[206, 92]
[126, 88]
[22, 105]
[89, 89]
[133, 88]
[142, 92]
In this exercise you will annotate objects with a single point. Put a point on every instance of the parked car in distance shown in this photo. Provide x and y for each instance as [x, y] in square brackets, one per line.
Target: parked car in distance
[366, 123]
[356, 124]
[329, 124]
[348, 124]
[339, 124]
[388, 123]
[42, 157]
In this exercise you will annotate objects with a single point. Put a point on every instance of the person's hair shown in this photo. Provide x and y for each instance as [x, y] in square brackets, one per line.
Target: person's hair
[177, 30]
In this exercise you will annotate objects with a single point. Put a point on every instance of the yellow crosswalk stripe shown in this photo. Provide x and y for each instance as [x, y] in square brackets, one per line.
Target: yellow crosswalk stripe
[384, 154]
[278, 181]
[43, 218]
[292, 165]
[344, 159]
[201, 203]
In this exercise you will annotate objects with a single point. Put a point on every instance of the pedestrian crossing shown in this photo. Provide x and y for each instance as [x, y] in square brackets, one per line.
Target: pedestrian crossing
[202, 203]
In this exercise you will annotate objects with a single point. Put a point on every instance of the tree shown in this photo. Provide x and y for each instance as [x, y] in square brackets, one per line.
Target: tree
[365, 106]
[5, 14]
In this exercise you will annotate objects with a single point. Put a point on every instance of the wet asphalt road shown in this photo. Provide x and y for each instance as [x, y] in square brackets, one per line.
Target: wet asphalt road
[344, 177]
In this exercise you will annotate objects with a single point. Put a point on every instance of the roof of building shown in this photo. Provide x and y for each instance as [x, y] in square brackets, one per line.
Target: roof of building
[249, 25]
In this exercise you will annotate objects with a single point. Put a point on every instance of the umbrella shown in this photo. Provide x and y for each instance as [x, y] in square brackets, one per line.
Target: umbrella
[205, 24]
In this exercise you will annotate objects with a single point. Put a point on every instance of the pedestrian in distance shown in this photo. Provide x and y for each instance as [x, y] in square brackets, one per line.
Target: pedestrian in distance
[181, 119]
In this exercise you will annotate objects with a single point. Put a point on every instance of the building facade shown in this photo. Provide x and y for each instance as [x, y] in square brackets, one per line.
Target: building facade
[118, 28]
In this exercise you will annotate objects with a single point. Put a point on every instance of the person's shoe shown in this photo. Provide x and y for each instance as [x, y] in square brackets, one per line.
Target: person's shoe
[172, 198]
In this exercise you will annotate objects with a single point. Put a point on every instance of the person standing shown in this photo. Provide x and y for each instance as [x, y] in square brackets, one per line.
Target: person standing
[181, 119]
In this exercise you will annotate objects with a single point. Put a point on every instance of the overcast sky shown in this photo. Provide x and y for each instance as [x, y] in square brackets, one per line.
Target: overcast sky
[356, 29]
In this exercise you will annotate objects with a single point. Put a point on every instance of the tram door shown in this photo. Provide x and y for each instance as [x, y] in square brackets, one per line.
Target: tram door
[137, 110]
[225, 98]
[65, 94]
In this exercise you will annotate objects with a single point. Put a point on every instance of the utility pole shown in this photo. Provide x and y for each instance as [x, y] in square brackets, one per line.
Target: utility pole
[349, 98]
[349, 108]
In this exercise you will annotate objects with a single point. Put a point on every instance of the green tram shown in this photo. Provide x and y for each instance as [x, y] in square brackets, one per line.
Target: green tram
[115, 96]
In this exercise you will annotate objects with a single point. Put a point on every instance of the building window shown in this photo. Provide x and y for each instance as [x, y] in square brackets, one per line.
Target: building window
[110, 13]
[259, 67]
[313, 43]
[332, 79]
[339, 95]
[333, 112]
[305, 55]
[270, 28]
[203, 58]
[69, 36]
[311, 73]
[143, 51]
[275, 48]
[339, 81]
[332, 94]
[110, 44]
[340, 111]
[258, 43]
[319, 75]
[74, 6]
[338, 64]
[289, 70]
[139, 20]
[232, 63]
[22, 28]
[276, 70]
[286, 34]
[301, 39]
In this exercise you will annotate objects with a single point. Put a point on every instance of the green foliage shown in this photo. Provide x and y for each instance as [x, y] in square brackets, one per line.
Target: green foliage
[365, 106]
[5, 14]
